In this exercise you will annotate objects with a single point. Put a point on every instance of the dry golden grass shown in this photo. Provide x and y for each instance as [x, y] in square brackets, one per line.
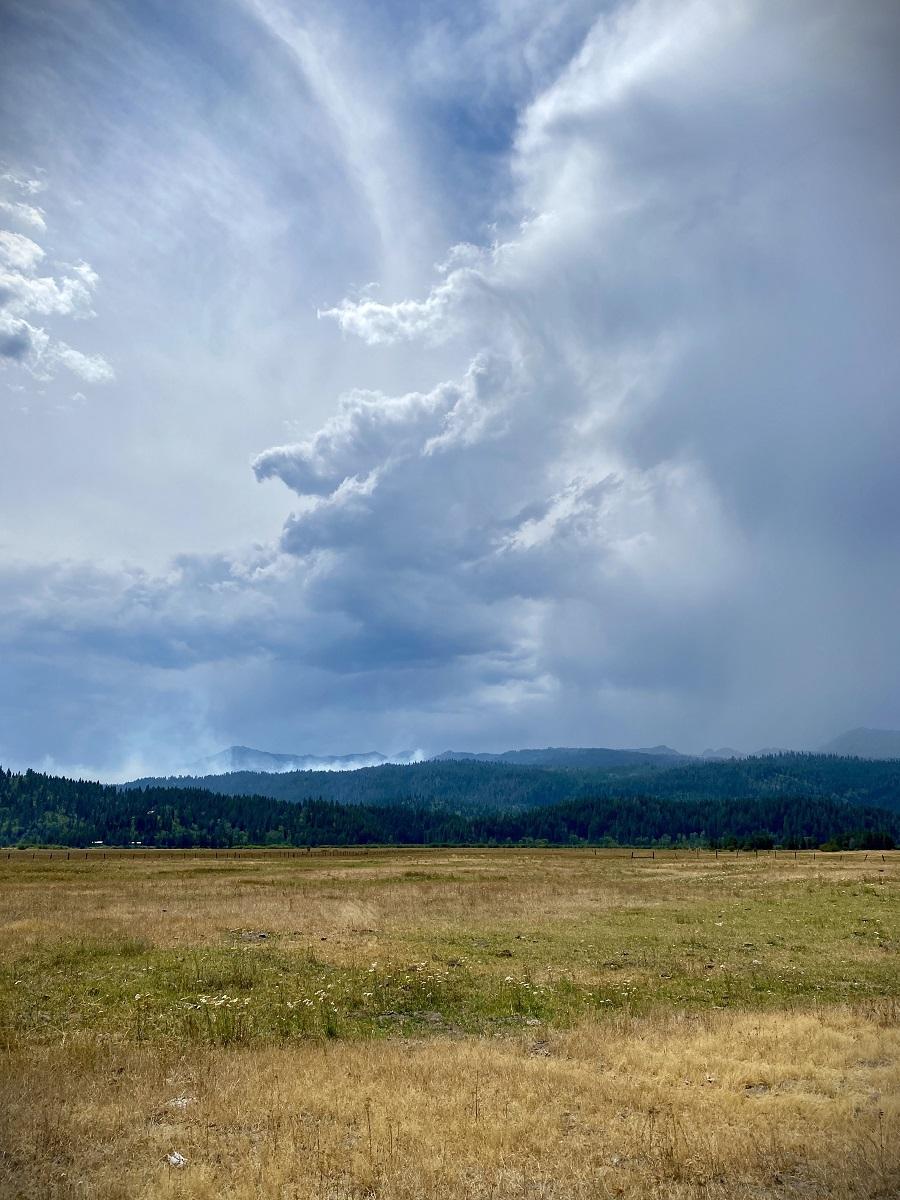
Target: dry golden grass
[690, 1028]
[724, 1105]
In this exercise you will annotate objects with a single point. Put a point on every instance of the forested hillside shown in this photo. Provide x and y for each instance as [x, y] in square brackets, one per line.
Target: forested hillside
[475, 786]
[467, 785]
[569, 756]
[37, 808]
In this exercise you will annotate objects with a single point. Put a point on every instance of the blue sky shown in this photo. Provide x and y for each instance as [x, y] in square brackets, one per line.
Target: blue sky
[415, 376]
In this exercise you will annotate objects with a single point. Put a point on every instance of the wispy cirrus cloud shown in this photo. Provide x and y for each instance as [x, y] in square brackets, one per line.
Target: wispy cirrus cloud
[25, 214]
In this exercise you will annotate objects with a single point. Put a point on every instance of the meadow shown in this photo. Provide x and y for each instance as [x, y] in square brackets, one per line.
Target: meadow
[459, 1023]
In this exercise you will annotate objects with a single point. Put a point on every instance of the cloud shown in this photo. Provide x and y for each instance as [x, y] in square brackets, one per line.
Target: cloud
[18, 252]
[642, 322]
[372, 432]
[15, 339]
[26, 213]
[92, 368]
[434, 318]
[361, 109]
[22, 183]
[45, 296]
[25, 293]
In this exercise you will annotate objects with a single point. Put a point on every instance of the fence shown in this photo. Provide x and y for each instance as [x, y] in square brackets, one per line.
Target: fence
[249, 853]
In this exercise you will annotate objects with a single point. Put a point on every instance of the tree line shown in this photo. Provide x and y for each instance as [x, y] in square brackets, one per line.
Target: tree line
[42, 809]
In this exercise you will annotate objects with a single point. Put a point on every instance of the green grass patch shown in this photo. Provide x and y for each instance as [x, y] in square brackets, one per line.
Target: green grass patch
[548, 940]
[817, 943]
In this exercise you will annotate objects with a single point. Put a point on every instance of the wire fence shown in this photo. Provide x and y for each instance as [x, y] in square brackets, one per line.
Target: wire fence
[272, 854]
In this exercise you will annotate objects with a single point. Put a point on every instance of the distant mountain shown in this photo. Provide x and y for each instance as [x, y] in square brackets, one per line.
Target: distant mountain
[569, 756]
[245, 758]
[866, 743]
[469, 785]
[661, 752]
[723, 754]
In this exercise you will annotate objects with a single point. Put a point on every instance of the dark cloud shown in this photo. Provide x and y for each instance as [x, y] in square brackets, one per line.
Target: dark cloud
[15, 343]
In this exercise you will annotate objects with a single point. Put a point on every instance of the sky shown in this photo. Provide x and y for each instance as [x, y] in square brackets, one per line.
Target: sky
[409, 377]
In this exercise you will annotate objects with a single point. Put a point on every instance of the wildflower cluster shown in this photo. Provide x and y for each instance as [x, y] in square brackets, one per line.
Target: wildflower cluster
[218, 1002]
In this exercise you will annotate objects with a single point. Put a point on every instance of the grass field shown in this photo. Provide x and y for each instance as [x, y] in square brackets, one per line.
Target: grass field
[453, 1023]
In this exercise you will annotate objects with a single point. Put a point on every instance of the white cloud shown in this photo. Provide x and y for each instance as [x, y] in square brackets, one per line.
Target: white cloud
[363, 110]
[383, 324]
[46, 296]
[373, 433]
[24, 184]
[24, 293]
[92, 368]
[26, 213]
[18, 251]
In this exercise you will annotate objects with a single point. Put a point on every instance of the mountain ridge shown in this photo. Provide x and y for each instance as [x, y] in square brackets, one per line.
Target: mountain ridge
[470, 784]
[881, 744]
[566, 756]
[863, 743]
[247, 758]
